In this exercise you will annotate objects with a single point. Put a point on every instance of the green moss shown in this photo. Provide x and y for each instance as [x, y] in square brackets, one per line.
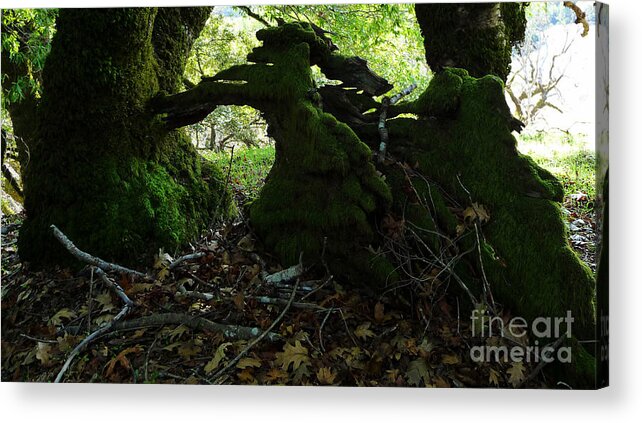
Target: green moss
[475, 37]
[323, 191]
[531, 268]
[106, 172]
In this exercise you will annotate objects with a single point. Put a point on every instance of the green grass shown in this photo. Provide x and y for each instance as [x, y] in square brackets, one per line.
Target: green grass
[250, 166]
[569, 157]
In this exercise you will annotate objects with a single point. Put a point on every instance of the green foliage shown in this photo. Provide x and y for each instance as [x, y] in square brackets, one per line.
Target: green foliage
[26, 37]
[386, 35]
[249, 168]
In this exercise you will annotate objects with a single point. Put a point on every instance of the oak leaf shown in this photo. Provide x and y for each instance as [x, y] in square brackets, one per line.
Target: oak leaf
[293, 355]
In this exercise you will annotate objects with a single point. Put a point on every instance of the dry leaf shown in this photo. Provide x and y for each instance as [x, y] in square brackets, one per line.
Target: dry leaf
[43, 349]
[449, 359]
[493, 377]
[326, 376]
[476, 211]
[248, 362]
[516, 373]
[218, 356]
[292, 354]
[378, 313]
[65, 313]
[363, 331]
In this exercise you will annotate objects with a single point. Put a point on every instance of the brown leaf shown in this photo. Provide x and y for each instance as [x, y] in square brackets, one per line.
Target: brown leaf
[293, 355]
[326, 376]
[378, 313]
[516, 373]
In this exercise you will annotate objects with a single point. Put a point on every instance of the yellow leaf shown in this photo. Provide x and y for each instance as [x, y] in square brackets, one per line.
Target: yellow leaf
[42, 353]
[105, 302]
[326, 376]
[363, 331]
[177, 332]
[248, 362]
[218, 356]
[516, 373]
[65, 313]
[449, 359]
[493, 377]
[476, 211]
[246, 376]
[292, 354]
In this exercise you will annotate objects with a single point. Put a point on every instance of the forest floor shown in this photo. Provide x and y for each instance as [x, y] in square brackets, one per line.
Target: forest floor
[322, 333]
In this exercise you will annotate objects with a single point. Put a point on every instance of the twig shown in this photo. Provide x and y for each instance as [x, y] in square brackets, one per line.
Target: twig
[233, 332]
[325, 319]
[260, 337]
[88, 340]
[186, 257]
[205, 296]
[282, 301]
[383, 131]
[113, 285]
[89, 259]
[288, 274]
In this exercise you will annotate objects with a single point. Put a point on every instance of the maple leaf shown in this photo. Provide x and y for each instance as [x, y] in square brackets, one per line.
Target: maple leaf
[326, 376]
[248, 362]
[493, 377]
[516, 373]
[292, 354]
[417, 371]
[105, 302]
[65, 313]
[363, 331]
[218, 356]
[476, 211]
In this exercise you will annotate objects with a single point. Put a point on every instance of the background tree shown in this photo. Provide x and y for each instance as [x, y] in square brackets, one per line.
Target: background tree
[102, 168]
[475, 37]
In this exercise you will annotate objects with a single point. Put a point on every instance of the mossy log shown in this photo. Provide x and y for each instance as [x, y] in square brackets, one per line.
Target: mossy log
[103, 168]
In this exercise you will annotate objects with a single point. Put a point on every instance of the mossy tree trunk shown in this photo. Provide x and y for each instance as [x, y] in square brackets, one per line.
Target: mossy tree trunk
[395, 224]
[103, 168]
[475, 37]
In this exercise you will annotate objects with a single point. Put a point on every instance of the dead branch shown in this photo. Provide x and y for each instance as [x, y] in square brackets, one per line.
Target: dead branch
[91, 260]
[542, 363]
[286, 275]
[580, 16]
[187, 257]
[234, 332]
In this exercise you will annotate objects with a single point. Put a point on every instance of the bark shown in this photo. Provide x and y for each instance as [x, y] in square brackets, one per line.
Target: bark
[475, 37]
[103, 169]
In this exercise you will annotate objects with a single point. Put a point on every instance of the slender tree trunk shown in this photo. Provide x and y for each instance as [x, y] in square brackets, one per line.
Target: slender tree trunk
[103, 168]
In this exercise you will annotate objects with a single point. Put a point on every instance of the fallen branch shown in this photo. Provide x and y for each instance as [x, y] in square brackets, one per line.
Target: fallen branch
[186, 257]
[205, 296]
[91, 260]
[88, 340]
[236, 359]
[286, 275]
[383, 131]
[113, 285]
[234, 332]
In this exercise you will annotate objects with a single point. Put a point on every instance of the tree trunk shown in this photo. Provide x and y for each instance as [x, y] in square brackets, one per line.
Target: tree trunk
[475, 37]
[103, 169]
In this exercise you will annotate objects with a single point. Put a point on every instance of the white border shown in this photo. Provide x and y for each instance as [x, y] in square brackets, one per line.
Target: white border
[621, 402]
